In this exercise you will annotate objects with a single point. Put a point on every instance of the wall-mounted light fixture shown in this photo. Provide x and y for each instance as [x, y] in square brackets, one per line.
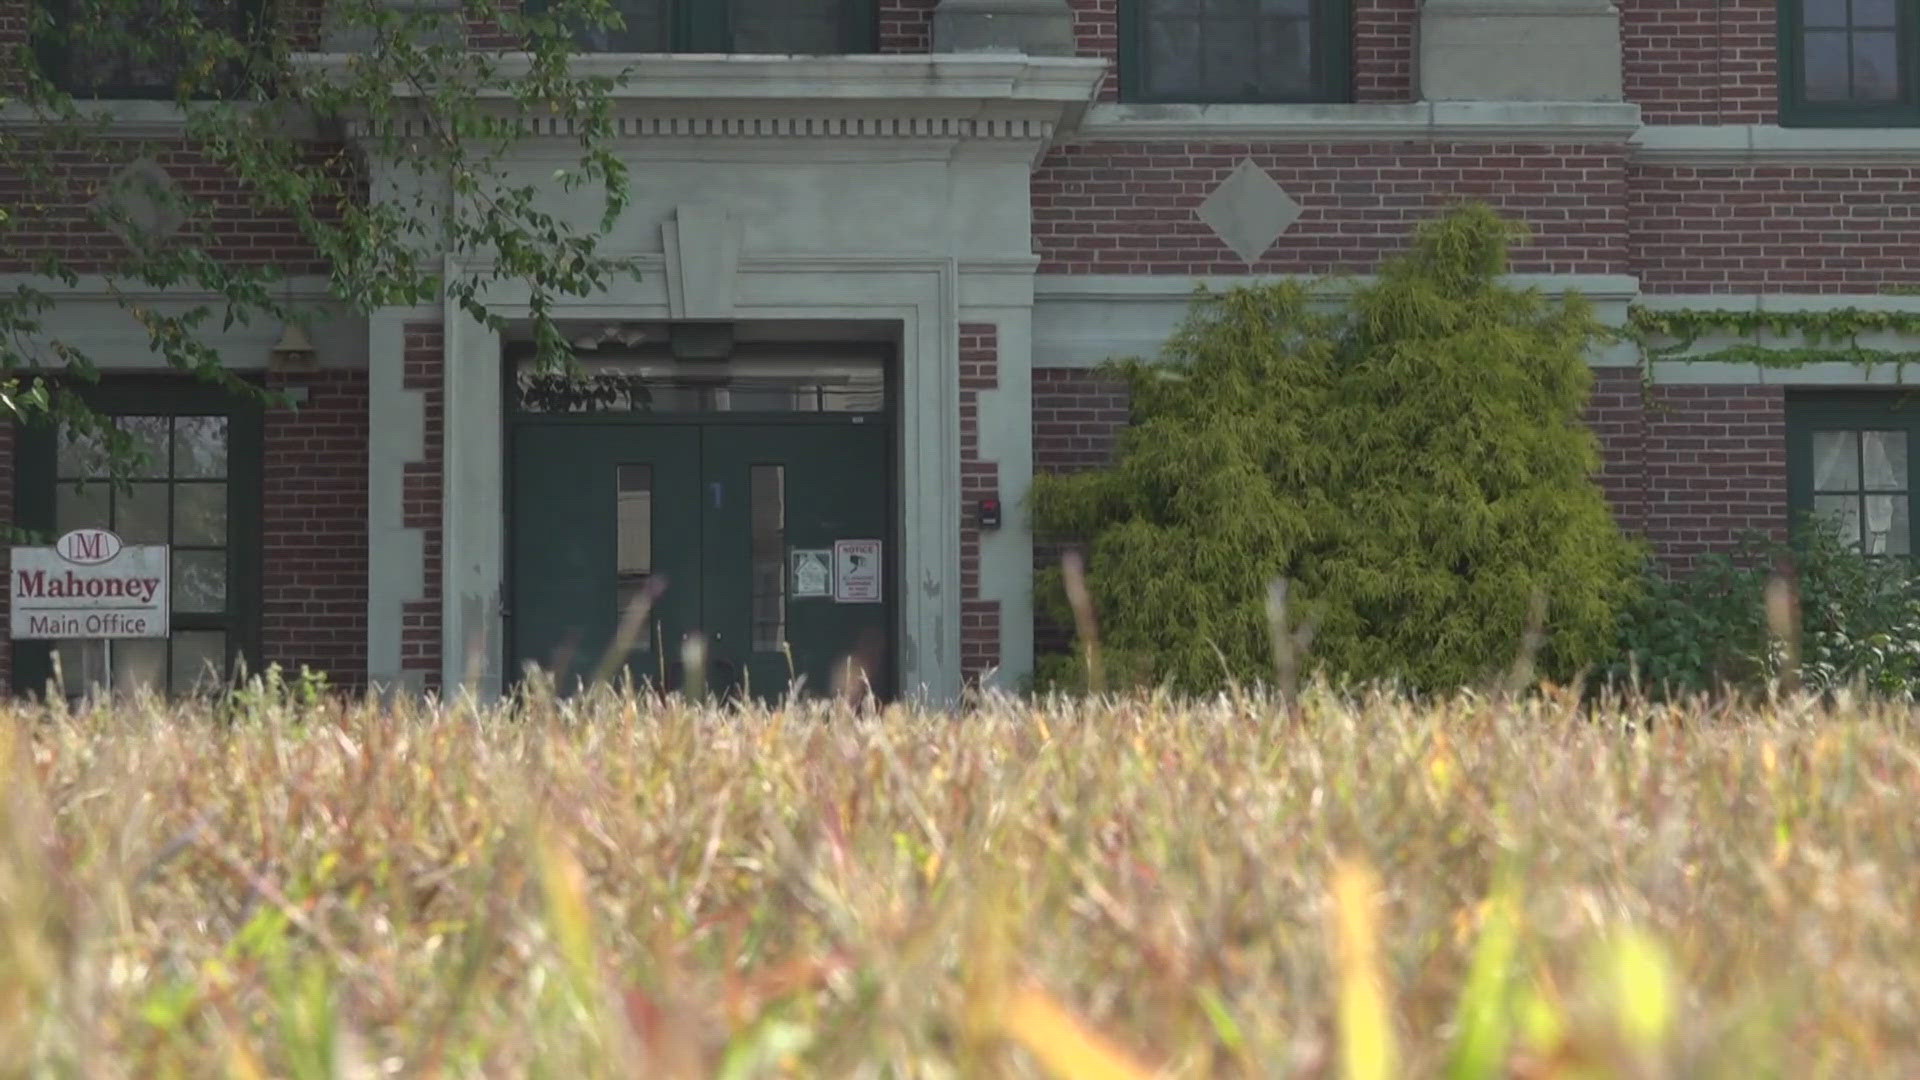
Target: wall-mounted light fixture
[293, 352]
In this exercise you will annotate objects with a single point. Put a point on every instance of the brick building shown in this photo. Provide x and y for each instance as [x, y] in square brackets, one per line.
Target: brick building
[886, 242]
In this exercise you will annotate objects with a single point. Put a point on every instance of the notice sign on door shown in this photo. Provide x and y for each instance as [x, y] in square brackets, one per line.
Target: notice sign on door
[89, 585]
[856, 571]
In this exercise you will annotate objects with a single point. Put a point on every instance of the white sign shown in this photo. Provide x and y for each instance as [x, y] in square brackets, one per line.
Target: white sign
[89, 585]
[812, 572]
[856, 571]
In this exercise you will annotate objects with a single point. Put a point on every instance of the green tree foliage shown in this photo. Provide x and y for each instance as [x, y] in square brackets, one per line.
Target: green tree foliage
[311, 105]
[1412, 460]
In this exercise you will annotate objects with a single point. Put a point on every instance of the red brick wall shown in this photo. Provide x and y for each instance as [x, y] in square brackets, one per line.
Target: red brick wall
[1691, 468]
[1716, 467]
[314, 529]
[1773, 228]
[1617, 415]
[979, 619]
[1701, 61]
[1130, 207]
[420, 503]
[906, 26]
[1383, 40]
[1077, 418]
[52, 218]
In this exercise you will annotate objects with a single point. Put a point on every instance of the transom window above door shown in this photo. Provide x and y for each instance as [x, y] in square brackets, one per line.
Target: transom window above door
[1850, 63]
[804, 27]
[1227, 51]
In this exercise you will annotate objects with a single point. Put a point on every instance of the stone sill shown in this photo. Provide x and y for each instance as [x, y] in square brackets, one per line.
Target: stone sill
[1419, 121]
[1768, 144]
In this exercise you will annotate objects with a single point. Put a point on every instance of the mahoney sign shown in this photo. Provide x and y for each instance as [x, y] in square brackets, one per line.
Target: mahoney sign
[89, 585]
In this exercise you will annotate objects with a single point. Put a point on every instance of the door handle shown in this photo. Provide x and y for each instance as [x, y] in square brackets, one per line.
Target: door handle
[714, 487]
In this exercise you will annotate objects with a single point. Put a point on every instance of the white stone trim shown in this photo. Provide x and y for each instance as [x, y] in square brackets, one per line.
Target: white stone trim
[298, 287]
[1136, 286]
[769, 123]
[144, 119]
[1424, 121]
[1770, 144]
[1776, 302]
[396, 554]
[1084, 320]
[1005, 419]
[861, 77]
[94, 315]
[918, 293]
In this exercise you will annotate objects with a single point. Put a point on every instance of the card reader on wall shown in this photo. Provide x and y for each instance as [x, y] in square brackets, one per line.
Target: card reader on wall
[989, 513]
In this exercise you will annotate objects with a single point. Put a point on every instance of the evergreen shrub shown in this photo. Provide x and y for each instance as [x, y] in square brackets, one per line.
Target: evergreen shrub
[1410, 456]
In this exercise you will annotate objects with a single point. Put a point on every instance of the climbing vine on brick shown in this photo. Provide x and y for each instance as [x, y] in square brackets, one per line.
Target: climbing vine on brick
[1825, 336]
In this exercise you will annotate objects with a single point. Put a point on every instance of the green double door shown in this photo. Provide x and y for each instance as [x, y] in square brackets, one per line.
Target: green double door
[769, 542]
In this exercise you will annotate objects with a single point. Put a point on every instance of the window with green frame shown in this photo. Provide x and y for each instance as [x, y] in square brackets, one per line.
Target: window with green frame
[1852, 458]
[116, 49]
[1849, 63]
[805, 27]
[1227, 51]
[198, 490]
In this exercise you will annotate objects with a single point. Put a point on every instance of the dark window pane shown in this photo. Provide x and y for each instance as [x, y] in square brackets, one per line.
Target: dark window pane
[1844, 512]
[646, 29]
[1824, 58]
[1286, 58]
[199, 660]
[79, 506]
[1228, 50]
[152, 440]
[1230, 57]
[633, 542]
[837, 385]
[79, 454]
[1876, 66]
[1883, 457]
[82, 665]
[1836, 461]
[1173, 58]
[200, 447]
[1823, 12]
[140, 513]
[1886, 525]
[785, 26]
[1874, 14]
[111, 46]
[200, 581]
[768, 500]
[139, 664]
[200, 514]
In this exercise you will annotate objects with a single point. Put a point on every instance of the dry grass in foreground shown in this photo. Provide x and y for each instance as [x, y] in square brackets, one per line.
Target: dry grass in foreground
[613, 888]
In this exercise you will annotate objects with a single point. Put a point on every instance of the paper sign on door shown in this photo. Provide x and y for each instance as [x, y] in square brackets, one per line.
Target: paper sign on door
[856, 571]
[812, 572]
